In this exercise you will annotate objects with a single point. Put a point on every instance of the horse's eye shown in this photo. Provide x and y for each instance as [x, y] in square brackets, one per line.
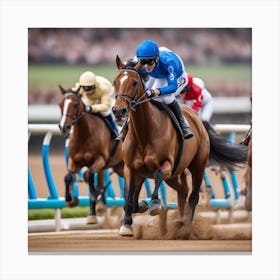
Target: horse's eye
[135, 83]
[114, 83]
[76, 105]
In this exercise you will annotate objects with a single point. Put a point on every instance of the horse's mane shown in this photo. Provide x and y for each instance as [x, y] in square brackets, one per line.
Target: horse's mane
[71, 90]
[130, 64]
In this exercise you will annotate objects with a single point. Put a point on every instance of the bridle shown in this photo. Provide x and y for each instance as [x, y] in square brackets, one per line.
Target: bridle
[77, 114]
[133, 101]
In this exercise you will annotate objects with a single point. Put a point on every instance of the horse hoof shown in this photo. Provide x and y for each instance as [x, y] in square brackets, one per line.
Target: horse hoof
[143, 206]
[155, 207]
[73, 203]
[91, 219]
[178, 223]
[126, 230]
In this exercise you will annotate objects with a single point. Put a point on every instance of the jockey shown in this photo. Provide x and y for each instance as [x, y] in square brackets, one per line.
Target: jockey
[195, 95]
[167, 77]
[97, 95]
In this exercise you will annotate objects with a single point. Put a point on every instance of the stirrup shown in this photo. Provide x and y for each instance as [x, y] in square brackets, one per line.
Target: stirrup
[188, 135]
[120, 137]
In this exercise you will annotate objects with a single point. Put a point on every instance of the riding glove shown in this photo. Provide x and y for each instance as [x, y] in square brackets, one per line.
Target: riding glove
[88, 109]
[153, 92]
[150, 92]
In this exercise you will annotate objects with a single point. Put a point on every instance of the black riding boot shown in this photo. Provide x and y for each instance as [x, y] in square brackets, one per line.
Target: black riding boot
[175, 107]
[113, 125]
[123, 132]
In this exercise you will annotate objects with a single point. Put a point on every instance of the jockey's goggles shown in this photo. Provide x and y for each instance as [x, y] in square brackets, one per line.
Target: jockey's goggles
[88, 88]
[149, 62]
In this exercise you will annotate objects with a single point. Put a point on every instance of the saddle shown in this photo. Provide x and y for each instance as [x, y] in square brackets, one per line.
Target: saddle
[163, 107]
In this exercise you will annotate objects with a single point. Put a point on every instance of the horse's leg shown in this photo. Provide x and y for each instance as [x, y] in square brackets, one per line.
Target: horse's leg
[97, 167]
[68, 180]
[164, 172]
[100, 193]
[180, 184]
[89, 178]
[139, 206]
[126, 224]
[100, 186]
[248, 198]
[197, 171]
[155, 205]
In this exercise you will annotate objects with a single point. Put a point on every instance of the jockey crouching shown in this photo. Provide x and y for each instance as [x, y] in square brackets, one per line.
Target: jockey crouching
[166, 79]
[97, 95]
[196, 96]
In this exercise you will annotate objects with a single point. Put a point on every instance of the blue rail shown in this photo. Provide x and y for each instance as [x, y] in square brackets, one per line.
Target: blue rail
[227, 201]
[54, 201]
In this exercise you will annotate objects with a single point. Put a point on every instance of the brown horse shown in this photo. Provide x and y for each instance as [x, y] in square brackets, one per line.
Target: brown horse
[151, 149]
[248, 199]
[90, 145]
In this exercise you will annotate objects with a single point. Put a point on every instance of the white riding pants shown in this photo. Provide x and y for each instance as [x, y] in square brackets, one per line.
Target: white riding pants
[206, 111]
[155, 83]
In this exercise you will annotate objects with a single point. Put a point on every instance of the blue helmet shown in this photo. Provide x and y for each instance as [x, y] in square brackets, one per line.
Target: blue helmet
[148, 49]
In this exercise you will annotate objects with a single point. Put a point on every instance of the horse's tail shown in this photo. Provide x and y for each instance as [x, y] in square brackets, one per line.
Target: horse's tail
[227, 155]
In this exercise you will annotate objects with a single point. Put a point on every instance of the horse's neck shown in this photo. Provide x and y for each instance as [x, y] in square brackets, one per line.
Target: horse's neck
[81, 128]
[145, 121]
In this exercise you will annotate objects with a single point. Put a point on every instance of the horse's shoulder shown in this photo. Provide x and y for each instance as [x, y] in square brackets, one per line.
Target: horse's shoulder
[94, 118]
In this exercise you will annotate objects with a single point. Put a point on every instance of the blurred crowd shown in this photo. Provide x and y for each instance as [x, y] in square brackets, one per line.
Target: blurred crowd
[196, 46]
[100, 45]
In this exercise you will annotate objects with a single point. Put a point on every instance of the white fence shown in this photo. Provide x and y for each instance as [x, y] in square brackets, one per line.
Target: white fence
[221, 105]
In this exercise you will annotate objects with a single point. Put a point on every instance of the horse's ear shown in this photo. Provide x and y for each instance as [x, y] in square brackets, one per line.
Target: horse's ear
[61, 89]
[119, 63]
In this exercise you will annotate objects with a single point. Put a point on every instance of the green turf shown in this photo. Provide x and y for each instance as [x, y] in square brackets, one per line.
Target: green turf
[45, 75]
[41, 214]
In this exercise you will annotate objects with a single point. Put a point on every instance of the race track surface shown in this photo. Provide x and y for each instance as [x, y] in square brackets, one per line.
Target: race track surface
[97, 241]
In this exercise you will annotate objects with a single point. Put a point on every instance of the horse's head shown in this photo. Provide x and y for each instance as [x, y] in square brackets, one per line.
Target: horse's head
[128, 88]
[72, 108]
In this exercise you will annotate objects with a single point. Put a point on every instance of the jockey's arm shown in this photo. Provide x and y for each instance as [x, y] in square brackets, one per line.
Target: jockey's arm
[197, 103]
[104, 105]
[171, 84]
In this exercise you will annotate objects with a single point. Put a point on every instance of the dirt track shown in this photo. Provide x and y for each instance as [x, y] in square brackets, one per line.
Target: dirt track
[104, 241]
[205, 236]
